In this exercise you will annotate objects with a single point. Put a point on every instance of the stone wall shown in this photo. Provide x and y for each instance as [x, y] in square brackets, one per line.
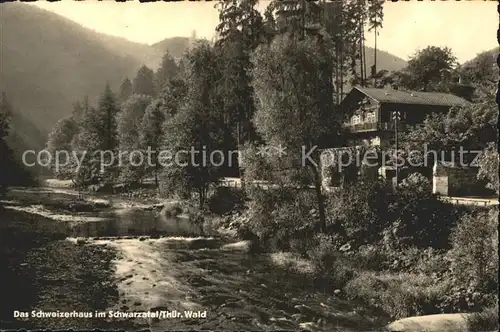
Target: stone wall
[450, 180]
[462, 181]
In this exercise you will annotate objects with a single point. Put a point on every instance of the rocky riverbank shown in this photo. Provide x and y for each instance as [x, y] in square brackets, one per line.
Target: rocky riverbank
[42, 271]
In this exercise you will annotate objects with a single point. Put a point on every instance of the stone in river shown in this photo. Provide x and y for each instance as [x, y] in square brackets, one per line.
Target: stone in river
[431, 323]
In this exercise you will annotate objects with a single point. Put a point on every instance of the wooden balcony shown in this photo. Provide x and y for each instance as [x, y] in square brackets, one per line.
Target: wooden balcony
[364, 126]
[375, 126]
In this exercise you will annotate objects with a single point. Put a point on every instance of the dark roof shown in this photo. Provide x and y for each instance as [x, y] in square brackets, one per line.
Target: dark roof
[391, 96]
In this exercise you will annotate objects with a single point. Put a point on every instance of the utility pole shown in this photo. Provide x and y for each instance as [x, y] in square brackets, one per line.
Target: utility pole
[374, 68]
[396, 117]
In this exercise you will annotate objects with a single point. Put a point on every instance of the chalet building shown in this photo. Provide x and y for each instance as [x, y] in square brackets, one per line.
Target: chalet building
[369, 112]
[371, 118]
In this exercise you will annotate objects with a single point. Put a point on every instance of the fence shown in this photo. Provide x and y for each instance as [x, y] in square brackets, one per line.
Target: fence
[470, 201]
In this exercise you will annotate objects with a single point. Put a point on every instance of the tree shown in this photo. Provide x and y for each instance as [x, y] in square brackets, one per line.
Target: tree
[107, 112]
[144, 82]
[60, 140]
[173, 96]
[474, 256]
[294, 105]
[152, 135]
[430, 69]
[488, 166]
[298, 18]
[126, 90]
[98, 138]
[129, 122]
[12, 171]
[240, 31]
[471, 127]
[5, 151]
[480, 70]
[166, 106]
[84, 144]
[168, 70]
[5, 114]
[481, 74]
[197, 127]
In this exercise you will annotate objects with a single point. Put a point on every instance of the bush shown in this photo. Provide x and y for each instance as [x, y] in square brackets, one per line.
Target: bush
[370, 258]
[197, 218]
[474, 255]
[419, 218]
[371, 213]
[280, 216]
[226, 200]
[172, 209]
[322, 252]
[361, 209]
[399, 295]
[484, 321]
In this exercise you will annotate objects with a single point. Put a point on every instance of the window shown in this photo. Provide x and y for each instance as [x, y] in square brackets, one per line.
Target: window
[370, 117]
[355, 119]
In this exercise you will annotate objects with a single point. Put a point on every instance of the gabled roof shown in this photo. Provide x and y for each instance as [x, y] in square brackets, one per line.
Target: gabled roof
[390, 96]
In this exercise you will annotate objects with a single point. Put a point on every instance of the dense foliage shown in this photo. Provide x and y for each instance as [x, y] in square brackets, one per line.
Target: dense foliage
[266, 87]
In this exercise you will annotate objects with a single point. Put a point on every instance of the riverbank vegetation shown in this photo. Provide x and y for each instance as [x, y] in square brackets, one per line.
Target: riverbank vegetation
[407, 254]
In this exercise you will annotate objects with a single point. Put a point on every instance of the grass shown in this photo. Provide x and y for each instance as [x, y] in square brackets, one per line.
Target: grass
[486, 320]
[399, 294]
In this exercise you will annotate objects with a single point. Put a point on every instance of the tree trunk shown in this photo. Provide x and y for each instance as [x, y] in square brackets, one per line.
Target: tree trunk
[202, 192]
[319, 197]
[156, 177]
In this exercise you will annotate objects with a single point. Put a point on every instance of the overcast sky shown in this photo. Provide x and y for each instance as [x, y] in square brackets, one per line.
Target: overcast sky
[467, 27]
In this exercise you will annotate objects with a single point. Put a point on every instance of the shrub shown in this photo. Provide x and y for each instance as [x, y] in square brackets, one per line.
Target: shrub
[225, 200]
[428, 261]
[371, 213]
[361, 209]
[458, 299]
[280, 216]
[419, 218]
[417, 182]
[484, 321]
[172, 209]
[474, 255]
[172, 184]
[370, 258]
[322, 251]
[197, 218]
[399, 295]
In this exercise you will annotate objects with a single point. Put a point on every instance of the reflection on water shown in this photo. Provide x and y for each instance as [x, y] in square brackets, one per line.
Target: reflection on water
[136, 222]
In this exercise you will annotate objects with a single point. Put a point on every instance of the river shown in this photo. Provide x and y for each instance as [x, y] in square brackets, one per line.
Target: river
[166, 264]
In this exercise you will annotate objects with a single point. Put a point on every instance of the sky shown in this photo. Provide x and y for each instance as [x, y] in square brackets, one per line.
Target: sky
[467, 27]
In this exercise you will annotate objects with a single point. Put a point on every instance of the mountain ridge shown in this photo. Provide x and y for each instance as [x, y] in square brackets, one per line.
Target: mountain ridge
[49, 62]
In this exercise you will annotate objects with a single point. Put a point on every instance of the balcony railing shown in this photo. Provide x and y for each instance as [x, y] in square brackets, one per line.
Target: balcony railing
[364, 126]
[374, 126]
[402, 126]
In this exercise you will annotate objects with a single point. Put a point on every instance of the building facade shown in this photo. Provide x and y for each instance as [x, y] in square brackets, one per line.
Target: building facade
[373, 117]
[370, 112]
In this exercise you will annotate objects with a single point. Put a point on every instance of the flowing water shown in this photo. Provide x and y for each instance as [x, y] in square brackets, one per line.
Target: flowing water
[170, 265]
